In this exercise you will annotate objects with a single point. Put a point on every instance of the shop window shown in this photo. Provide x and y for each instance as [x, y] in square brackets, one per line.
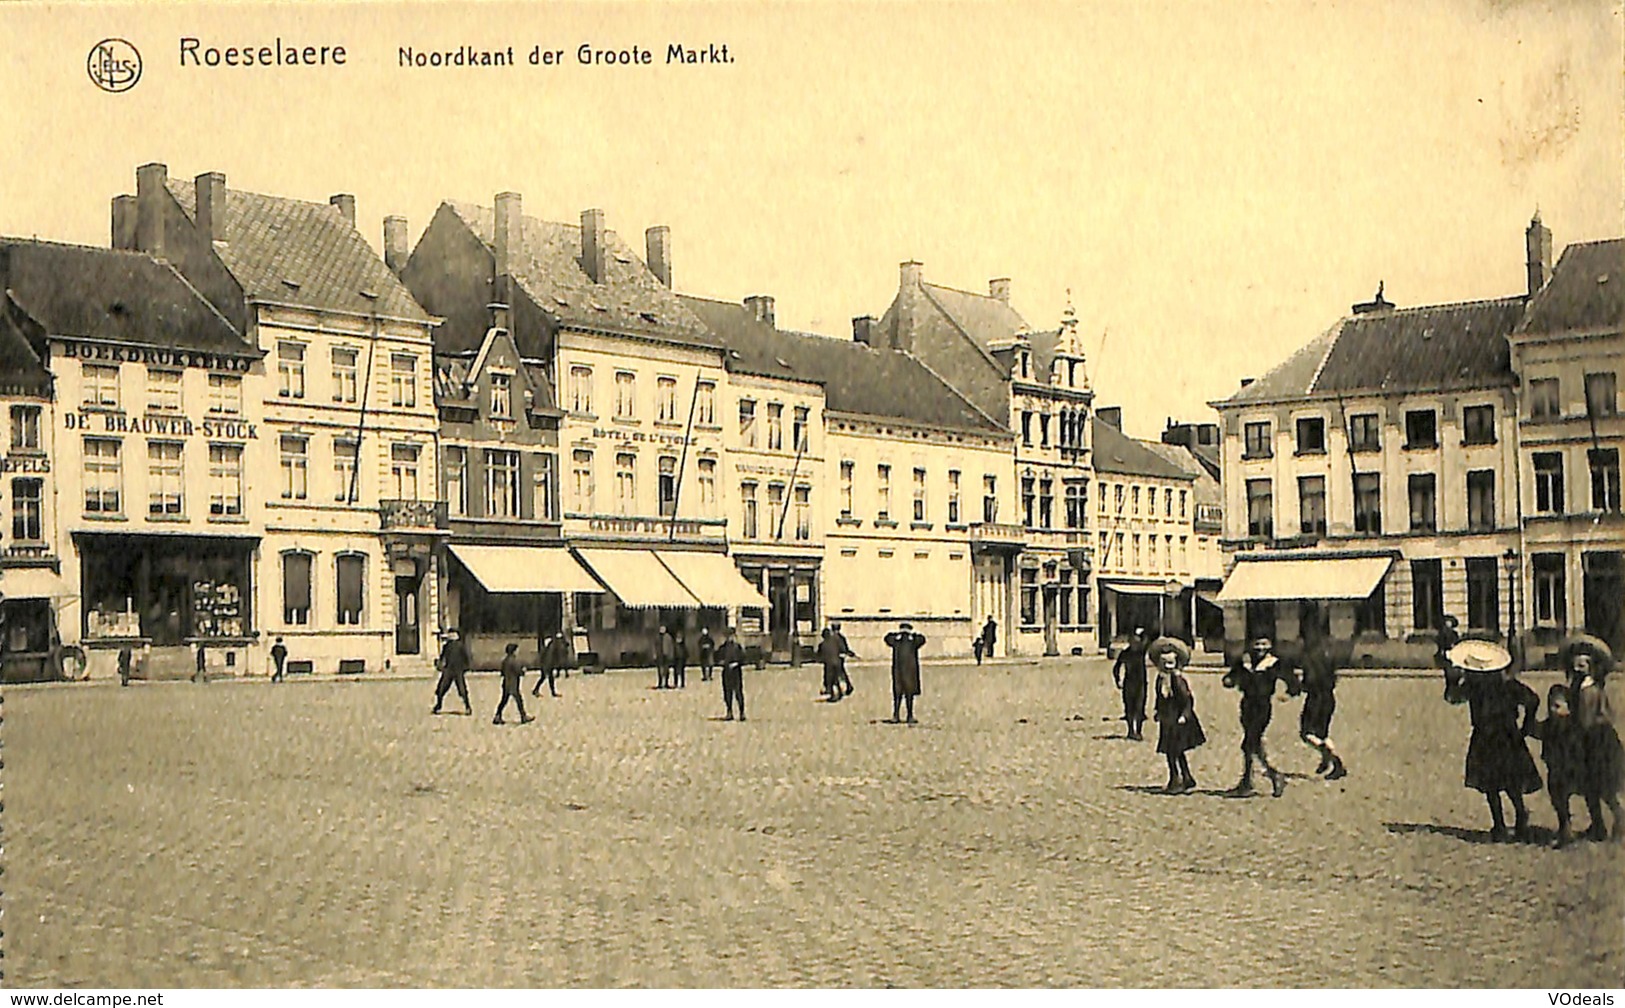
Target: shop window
[1481, 500]
[581, 390]
[296, 588]
[707, 484]
[626, 395]
[775, 426]
[456, 463]
[1423, 489]
[1604, 466]
[345, 374]
[1478, 425]
[103, 477]
[502, 484]
[1368, 503]
[403, 471]
[501, 396]
[1551, 590]
[101, 386]
[225, 480]
[345, 452]
[295, 452]
[666, 400]
[582, 488]
[1371, 615]
[667, 468]
[351, 581]
[25, 429]
[403, 380]
[803, 513]
[1548, 482]
[27, 510]
[542, 488]
[1427, 594]
[1483, 594]
[705, 404]
[163, 391]
[290, 370]
[626, 483]
[1257, 444]
[747, 423]
[225, 395]
[1365, 432]
[1311, 436]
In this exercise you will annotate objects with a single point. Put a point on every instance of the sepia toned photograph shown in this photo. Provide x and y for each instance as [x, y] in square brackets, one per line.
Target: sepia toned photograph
[830, 495]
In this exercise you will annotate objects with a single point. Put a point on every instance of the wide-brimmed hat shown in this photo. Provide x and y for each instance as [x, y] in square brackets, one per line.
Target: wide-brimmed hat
[1479, 656]
[1163, 645]
[1602, 659]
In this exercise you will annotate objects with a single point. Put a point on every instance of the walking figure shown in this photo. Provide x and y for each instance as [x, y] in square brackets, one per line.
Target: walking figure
[1128, 673]
[1178, 730]
[679, 660]
[732, 659]
[1563, 751]
[1255, 675]
[202, 673]
[279, 660]
[453, 664]
[1319, 702]
[125, 659]
[707, 649]
[846, 652]
[1480, 675]
[513, 670]
[663, 657]
[553, 658]
[832, 652]
[905, 647]
[1603, 775]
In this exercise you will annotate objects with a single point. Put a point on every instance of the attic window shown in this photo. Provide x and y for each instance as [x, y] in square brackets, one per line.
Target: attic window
[648, 316]
[623, 259]
[561, 302]
[598, 307]
[782, 362]
[290, 284]
[734, 354]
[369, 294]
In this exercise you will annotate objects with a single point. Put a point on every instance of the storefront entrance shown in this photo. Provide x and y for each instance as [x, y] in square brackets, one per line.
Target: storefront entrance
[780, 612]
[408, 629]
[166, 589]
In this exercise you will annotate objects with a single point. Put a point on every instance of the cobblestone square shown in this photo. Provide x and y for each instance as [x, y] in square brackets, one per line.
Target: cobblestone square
[334, 833]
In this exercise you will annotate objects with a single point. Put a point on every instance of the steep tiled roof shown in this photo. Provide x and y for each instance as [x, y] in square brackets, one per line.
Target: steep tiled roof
[857, 378]
[1586, 291]
[548, 266]
[20, 368]
[1116, 452]
[99, 293]
[295, 252]
[1292, 377]
[1206, 489]
[984, 319]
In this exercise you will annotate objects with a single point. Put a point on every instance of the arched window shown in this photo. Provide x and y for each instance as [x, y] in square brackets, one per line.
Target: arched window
[297, 588]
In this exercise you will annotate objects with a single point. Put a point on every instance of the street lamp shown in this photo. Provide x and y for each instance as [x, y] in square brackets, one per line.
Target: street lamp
[1512, 561]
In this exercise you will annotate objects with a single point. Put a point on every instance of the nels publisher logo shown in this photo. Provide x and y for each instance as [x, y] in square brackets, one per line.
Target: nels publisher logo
[114, 65]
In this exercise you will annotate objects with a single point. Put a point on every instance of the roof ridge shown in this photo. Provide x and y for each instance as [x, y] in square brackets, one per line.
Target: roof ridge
[1504, 299]
[987, 355]
[950, 387]
[1331, 344]
[137, 253]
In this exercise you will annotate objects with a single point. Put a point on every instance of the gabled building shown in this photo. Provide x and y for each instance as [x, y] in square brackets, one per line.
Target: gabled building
[133, 476]
[1036, 385]
[346, 572]
[1370, 482]
[1195, 448]
[640, 385]
[1566, 357]
[916, 483]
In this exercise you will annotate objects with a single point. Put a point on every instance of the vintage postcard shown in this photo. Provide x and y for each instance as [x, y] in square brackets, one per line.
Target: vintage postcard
[813, 495]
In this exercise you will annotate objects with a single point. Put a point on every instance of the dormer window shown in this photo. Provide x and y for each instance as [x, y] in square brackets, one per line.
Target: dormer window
[501, 395]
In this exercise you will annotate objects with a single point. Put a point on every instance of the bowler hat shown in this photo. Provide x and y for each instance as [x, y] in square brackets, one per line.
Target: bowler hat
[1163, 645]
[1479, 656]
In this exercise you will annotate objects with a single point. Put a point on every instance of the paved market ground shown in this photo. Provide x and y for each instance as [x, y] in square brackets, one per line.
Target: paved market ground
[333, 833]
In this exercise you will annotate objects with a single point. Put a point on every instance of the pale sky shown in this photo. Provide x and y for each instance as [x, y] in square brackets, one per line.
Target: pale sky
[1215, 182]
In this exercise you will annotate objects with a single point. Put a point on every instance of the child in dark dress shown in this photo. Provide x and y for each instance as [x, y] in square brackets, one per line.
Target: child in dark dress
[1178, 730]
[1563, 751]
[1498, 759]
[1603, 774]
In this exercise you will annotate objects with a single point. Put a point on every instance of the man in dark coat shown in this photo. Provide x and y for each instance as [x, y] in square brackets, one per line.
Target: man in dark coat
[846, 652]
[832, 652]
[279, 659]
[905, 647]
[1256, 674]
[679, 660]
[1128, 674]
[706, 652]
[663, 657]
[554, 656]
[990, 637]
[513, 670]
[732, 659]
[453, 664]
[125, 658]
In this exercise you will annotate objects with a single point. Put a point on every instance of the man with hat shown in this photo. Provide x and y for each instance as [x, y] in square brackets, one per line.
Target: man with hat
[732, 659]
[513, 672]
[1255, 675]
[453, 664]
[832, 652]
[1128, 675]
[905, 647]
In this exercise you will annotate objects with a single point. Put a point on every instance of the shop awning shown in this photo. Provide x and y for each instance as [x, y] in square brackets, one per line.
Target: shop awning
[638, 579]
[713, 579]
[1305, 578]
[31, 582]
[1135, 587]
[525, 569]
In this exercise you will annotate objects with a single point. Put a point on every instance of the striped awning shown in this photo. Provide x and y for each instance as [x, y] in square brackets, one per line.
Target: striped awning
[638, 579]
[1316, 578]
[713, 579]
[525, 568]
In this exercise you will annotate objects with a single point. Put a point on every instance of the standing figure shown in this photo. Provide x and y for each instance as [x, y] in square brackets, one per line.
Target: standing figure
[732, 659]
[1128, 674]
[1498, 759]
[663, 656]
[453, 664]
[832, 652]
[707, 649]
[279, 660]
[990, 637]
[513, 670]
[976, 648]
[679, 660]
[202, 673]
[1563, 751]
[846, 652]
[1255, 675]
[125, 658]
[1178, 730]
[1319, 702]
[1603, 775]
[552, 657]
[1449, 637]
[905, 647]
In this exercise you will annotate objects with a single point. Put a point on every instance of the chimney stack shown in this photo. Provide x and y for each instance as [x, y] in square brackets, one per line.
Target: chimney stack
[863, 330]
[1538, 243]
[395, 251]
[151, 193]
[910, 274]
[210, 191]
[124, 222]
[346, 204]
[657, 240]
[594, 254]
[508, 230]
[999, 289]
[761, 308]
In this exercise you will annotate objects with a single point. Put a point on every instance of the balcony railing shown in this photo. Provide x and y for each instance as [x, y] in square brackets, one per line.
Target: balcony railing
[994, 534]
[412, 514]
